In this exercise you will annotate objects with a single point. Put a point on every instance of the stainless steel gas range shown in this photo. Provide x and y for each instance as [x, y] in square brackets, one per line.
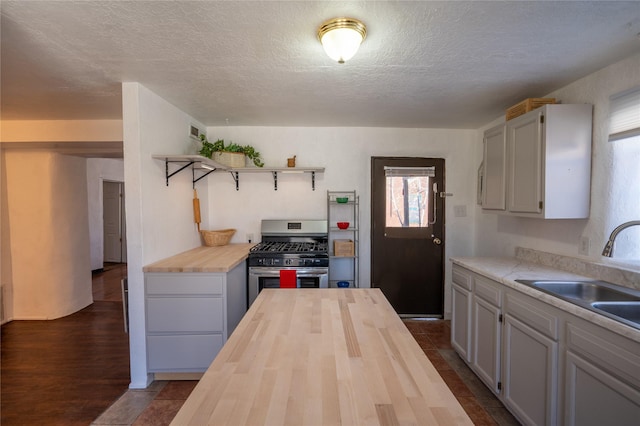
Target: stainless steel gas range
[291, 250]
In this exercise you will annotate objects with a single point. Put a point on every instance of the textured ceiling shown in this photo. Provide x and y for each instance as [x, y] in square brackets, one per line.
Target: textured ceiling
[452, 64]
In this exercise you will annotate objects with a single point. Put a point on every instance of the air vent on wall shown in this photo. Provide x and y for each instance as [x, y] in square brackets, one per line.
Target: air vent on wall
[194, 132]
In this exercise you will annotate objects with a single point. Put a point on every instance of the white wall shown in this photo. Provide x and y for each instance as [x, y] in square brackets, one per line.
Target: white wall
[62, 131]
[159, 217]
[6, 296]
[160, 221]
[98, 171]
[42, 143]
[346, 155]
[45, 235]
[499, 235]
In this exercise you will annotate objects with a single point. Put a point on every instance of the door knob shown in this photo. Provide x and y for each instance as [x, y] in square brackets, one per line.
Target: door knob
[437, 241]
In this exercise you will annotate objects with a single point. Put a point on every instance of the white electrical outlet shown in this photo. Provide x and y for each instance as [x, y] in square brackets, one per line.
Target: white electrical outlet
[250, 238]
[584, 246]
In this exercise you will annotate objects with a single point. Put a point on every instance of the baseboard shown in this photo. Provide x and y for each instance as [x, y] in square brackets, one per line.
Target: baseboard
[29, 318]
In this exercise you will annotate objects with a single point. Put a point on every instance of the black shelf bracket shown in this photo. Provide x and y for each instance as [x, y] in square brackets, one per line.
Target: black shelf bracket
[191, 163]
[193, 175]
[166, 168]
[236, 178]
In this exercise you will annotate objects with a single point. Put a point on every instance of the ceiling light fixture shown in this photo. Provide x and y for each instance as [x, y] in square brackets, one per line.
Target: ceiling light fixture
[341, 38]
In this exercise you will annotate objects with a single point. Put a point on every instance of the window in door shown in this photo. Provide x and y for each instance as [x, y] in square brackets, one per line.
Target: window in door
[408, 196]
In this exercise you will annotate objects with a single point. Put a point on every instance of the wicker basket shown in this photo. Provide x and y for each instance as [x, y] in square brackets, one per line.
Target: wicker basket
[217, 238]
[527, 105]
[231, 159]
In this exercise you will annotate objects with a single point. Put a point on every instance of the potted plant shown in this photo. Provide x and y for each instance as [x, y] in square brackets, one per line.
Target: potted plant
[225, 154]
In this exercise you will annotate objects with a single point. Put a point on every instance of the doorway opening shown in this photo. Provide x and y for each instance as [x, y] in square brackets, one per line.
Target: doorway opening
[114, 224]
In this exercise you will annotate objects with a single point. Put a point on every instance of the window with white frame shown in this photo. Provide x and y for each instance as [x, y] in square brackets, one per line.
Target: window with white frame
[624, 115]
[624, 133]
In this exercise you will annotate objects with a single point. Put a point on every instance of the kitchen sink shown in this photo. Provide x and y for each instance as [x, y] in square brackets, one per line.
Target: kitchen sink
[586, 291]
[616, 302]
[629, 311]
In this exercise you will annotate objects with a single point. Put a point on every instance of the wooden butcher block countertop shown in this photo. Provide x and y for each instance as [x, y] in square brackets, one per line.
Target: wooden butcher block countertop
[321, 357]
[203, 259]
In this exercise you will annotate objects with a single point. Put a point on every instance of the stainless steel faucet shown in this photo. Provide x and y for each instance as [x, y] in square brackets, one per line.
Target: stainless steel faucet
[608, 248]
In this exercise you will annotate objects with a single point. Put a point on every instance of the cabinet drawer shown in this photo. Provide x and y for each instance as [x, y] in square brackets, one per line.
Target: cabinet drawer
[182, 353]
[613, 353]
[184, 314]
[184, 283]
[533, 315]
[461, 277]
[488, 291]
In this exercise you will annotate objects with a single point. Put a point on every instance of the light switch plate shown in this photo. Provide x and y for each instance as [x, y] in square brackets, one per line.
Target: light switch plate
[460, 211]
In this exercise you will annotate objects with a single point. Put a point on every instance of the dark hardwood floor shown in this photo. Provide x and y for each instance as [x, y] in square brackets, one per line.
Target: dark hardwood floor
[69, 370]
[75, 370]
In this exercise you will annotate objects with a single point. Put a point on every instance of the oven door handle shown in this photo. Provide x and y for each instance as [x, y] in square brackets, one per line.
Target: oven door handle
[300, 272]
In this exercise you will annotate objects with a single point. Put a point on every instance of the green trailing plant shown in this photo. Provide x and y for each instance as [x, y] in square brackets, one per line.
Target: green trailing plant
[209, 148]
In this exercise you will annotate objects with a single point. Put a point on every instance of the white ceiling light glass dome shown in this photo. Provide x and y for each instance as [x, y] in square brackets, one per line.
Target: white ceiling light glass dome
[341, 38]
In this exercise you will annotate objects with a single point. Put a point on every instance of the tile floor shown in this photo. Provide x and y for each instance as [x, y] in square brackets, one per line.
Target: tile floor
[158, 404]
[155, 406]
[434, 337]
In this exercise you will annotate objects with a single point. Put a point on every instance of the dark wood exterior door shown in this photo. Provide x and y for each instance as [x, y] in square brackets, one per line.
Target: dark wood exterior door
[407, 235]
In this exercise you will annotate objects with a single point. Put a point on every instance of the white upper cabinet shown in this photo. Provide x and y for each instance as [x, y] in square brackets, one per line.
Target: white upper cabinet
[525, 164]
[548, 164]
[495, 157]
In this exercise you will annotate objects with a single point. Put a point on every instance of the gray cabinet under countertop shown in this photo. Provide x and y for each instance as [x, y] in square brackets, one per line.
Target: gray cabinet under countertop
[554, 363]
[189, 317]
[193, 302]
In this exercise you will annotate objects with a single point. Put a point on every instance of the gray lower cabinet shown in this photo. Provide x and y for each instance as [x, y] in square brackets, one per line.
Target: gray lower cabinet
[485, 359]
[602, 376]
[548, 366]
[189, 317]
[530, 381]
[461, 320]
[475, 324]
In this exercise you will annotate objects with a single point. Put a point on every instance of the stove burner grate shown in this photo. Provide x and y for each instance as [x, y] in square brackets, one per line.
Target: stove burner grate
[290, 247]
